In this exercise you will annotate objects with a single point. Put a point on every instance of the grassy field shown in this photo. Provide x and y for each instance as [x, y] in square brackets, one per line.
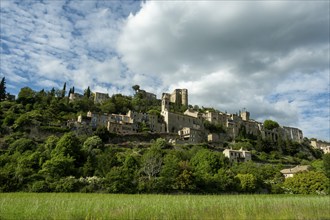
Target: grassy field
[111, 206]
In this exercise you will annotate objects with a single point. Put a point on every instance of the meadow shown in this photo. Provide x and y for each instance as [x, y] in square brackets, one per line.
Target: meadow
[120, 206]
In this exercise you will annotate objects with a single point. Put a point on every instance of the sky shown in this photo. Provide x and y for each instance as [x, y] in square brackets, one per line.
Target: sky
[270, 58]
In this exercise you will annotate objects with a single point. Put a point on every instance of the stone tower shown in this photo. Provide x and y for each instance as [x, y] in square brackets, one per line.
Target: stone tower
[245, 115]
[165, 102]
[184, 97]
[180, 97]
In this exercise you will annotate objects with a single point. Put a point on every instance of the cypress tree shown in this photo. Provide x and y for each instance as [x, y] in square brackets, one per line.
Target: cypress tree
[3, 89]
[87, 92]
[63, 90]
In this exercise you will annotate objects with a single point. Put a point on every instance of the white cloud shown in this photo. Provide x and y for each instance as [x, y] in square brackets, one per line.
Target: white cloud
[62, 41]
[269, 57]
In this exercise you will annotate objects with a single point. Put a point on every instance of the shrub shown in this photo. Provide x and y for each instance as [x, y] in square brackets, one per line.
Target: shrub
[307, 183]
[39, 186]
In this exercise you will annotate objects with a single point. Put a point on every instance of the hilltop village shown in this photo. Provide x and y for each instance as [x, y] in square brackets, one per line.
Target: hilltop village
[54, 141]
[190, 125]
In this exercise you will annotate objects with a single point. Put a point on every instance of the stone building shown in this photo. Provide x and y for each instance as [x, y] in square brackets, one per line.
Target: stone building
[147, 95]
[237, 155]
[292, 171]
[177, 121]
[191, 135]
[283, 132]
[233, 123]
[123, 124]
[100, 97]
[178, 96]
[190, 124]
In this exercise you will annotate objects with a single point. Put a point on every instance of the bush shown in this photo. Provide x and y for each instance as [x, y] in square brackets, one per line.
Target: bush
[307, 183]
[67, 184]
[53, 129]
[39, 186]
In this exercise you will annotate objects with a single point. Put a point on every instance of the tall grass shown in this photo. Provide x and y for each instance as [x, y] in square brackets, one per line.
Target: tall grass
[112, 206]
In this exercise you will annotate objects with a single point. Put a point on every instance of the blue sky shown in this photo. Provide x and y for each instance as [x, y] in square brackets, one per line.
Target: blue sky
[271, 58]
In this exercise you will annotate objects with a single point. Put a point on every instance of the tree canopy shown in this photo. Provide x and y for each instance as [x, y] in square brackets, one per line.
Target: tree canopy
[270, 124]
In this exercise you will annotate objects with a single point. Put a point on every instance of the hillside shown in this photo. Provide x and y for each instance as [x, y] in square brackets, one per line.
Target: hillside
[42, 149]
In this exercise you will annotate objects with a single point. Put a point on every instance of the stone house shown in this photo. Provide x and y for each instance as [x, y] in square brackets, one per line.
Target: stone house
[292, 171]
[191, 135]
[238, 155]
[123, 124]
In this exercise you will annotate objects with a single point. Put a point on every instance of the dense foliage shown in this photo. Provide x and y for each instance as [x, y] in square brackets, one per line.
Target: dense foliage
[270, 124]
[41, 152]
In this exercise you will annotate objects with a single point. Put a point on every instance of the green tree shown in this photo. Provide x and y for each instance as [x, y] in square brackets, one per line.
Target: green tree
[152, 162]
[326, 164]
[123, 178]
[247, 182]
[169, 172]
[58, 166]
[136, 88]
[26, 96]
[87, 92]
[103, 133]
[270, 124]
[160, 142]
[307, 183]
[91, 144]
[69, 146]
[105, 162]
[10, 118]
[91, 147]
[28, 119]
[63, 90]
[108, 106]
[185, 181]
[3, 89]
[225, 181]
[206, 162]
[47, 148]
[83, 105]
[122, 103]
[213, 128]
[70, 91]
[21, 145]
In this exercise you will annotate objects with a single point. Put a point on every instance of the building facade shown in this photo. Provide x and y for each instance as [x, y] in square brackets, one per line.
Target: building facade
[292, 171]
[190, 124]
[237, 155]
[100, 97]
[124, 124]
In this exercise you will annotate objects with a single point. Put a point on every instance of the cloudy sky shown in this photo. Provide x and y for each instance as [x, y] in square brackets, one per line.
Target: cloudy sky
[271, 58]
